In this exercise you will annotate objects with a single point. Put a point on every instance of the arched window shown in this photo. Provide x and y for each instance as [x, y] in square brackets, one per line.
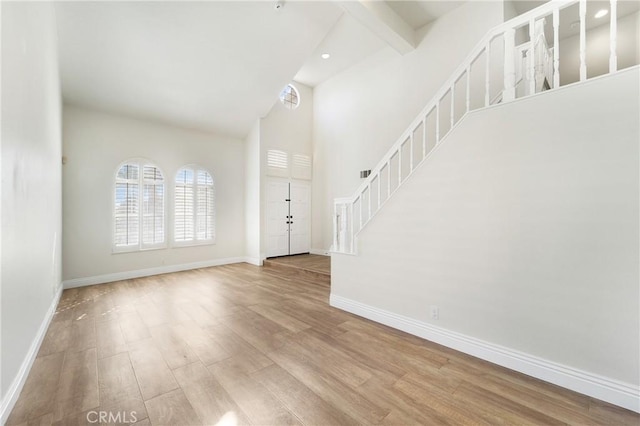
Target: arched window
[290, 97]
[138, 207]
[194, 215]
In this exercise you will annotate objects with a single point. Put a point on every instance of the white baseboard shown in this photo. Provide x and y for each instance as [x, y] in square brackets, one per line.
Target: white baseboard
[599, 387]
[321, 252]
[254, 261]
[11, 397]
[127, 275]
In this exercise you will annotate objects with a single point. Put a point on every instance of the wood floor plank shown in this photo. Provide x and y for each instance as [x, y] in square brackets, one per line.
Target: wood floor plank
[207, 397]
[438, 400]
[260, 332]
[318, 320]
[110, 339]
[78, 386]
[172, 408]
[603, 413]
[280, 318]
[246, 358]
[323, 353]
[124, 412]
[174, 349]
[45, 420]
[501, 407]
[152, 372]
[388, 398]
[246, 345]
[198, 314]
[39, 392]
[56, 339]
[410, 345]
[364, 344]
[312, 262]
[299, 399]
[62, 315]
[116, 380]
[206, 348]
[472, 370]
[533, 399]
[151, 315]
[133, 328]
[82, 335]
[260, 405]
[328, 387]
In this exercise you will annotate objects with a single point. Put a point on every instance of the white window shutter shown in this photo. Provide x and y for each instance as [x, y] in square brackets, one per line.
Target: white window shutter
[152, 206]
[194, 206]
[301, 168]
[138, 207]
[277, 163]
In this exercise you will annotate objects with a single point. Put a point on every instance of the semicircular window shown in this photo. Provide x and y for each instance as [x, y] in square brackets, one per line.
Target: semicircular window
[290, 97]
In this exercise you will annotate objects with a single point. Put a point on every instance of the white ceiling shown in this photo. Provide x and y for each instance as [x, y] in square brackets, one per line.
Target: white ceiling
[214, 66]
[349, 42]
[419, 13]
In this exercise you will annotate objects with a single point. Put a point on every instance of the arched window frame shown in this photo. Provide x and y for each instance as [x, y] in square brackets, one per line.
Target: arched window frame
[290, 97]
[211, 213]
[140, 244]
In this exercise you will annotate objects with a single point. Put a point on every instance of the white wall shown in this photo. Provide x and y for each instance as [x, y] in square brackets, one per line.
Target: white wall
[359, 113]
[31, 183]
[523, 229]
[252, 193]
[598, 48]
[509, 9]
[95, 144]
[288, 130]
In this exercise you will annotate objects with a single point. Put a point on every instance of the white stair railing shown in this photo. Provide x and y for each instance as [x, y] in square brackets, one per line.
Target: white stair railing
[351, 214]
[543, 66]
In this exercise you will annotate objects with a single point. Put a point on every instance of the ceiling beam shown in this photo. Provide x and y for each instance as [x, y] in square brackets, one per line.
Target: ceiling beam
[384, 22]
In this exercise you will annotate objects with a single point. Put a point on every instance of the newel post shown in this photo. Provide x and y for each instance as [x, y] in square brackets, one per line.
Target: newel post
[343, 227]
[336, 225]
[509, 92]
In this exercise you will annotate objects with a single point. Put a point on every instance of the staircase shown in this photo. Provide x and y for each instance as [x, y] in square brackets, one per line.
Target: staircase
[524, 70]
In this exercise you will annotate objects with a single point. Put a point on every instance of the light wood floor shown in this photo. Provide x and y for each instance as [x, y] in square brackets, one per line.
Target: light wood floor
[310, 262]
[191, 347]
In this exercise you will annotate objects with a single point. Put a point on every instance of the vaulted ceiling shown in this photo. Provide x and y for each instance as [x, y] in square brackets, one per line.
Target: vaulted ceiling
[208, 65]
[218, 66]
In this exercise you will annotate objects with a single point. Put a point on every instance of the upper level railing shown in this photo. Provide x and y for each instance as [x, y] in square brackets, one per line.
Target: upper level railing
[472, 86]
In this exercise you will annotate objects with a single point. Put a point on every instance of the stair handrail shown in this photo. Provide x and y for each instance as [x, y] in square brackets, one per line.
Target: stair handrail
[514, 23]
[506, 29]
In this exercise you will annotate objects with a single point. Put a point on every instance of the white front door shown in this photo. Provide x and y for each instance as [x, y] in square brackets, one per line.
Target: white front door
[277, 211]
[288, 218]
[300, 212]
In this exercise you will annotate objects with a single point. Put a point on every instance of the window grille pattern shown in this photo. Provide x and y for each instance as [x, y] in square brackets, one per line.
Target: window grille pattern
[290, 97]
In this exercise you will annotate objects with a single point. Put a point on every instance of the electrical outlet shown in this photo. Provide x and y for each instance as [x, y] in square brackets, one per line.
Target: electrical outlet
[435, 312]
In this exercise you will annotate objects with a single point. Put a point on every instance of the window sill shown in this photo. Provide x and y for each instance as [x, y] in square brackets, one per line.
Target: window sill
[121, 250]
[181, 244]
